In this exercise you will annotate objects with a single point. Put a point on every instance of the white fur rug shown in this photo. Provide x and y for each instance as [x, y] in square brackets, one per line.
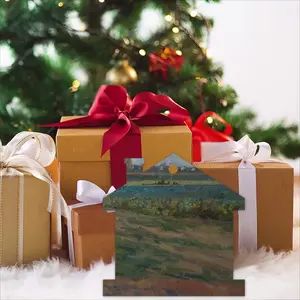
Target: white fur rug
[268, 276]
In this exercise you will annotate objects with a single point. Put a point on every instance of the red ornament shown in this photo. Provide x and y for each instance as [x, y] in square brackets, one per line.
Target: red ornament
[161, 61]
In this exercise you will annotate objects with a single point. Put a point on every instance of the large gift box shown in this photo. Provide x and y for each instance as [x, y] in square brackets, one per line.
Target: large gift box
[26, 196]
[95, 147]
[265, 183]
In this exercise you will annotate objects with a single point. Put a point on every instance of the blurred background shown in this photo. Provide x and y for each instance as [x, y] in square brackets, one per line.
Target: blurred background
[237, 58]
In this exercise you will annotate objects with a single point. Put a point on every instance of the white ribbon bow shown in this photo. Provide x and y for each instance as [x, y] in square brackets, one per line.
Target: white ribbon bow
[31, 152]
[248, 152]
[243, 150]
[88, 193]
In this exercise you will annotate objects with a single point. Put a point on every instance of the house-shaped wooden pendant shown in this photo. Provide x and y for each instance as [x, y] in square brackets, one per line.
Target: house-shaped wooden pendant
[174, 233]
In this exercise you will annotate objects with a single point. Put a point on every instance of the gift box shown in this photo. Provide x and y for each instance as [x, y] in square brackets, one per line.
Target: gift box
[26, 197]
[79, 153]
[267, 186]
[95, 147]
[90, 232]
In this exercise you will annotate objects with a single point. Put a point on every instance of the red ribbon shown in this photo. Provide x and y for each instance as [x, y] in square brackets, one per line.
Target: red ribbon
[203, 133]
[113, 108]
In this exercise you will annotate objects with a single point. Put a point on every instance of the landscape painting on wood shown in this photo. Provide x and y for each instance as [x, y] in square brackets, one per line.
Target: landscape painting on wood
[174, 233]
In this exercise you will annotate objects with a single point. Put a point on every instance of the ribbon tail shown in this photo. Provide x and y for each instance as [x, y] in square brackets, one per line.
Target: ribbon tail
[114, 134]
[247, 238]
[79, 122]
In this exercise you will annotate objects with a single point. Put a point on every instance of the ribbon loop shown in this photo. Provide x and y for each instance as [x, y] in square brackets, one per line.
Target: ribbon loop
[88, 192]
[244, 149]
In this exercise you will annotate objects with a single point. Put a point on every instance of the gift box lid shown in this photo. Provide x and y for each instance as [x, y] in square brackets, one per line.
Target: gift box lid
[158, 142]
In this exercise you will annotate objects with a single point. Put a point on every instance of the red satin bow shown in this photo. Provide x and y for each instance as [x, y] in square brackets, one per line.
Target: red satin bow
[203, 133]
[113, 107]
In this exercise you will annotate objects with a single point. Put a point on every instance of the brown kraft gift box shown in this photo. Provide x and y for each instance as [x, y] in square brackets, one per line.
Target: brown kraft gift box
[79, 155]
[93, 233]
[274, 188]
[36, 220]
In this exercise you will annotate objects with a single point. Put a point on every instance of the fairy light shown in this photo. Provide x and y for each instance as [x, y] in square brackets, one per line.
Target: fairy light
[60, 4]
[193, 13]
[142, 52]
[126, 41]
[7, 0]
[76, 84]
[101, 1]
[178, 52]
[210, 120]
[29, 129]
[168, 18]
[175, 29]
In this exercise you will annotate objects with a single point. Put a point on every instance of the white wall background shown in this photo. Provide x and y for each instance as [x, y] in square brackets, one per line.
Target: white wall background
[258, 43]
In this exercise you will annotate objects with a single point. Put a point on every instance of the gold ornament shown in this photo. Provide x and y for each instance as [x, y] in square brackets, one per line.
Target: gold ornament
[121, 74]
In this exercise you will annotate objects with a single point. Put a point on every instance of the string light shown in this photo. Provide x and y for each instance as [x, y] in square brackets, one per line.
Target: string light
[210, 120]
[101, 1]
[126, 41]
[178, 52]
[7, 0]
[76, 83]
[29, 129]
[60, 4]
[142, 52]
[193, 13]
[175, 29]
[168, 18]
[224, 102]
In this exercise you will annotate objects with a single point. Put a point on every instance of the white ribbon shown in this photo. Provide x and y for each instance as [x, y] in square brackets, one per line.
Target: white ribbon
[88, 194]
[248, 152]
[31, 152]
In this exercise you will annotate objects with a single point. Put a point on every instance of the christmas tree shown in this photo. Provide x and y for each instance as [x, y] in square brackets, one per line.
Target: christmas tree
[50, 43]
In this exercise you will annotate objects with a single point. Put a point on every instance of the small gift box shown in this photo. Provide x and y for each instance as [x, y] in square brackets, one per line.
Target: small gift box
[90, 230]
[26, 198]
[266, 185]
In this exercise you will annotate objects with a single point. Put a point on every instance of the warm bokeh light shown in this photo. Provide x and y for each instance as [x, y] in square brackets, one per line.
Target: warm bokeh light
[142, 52]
